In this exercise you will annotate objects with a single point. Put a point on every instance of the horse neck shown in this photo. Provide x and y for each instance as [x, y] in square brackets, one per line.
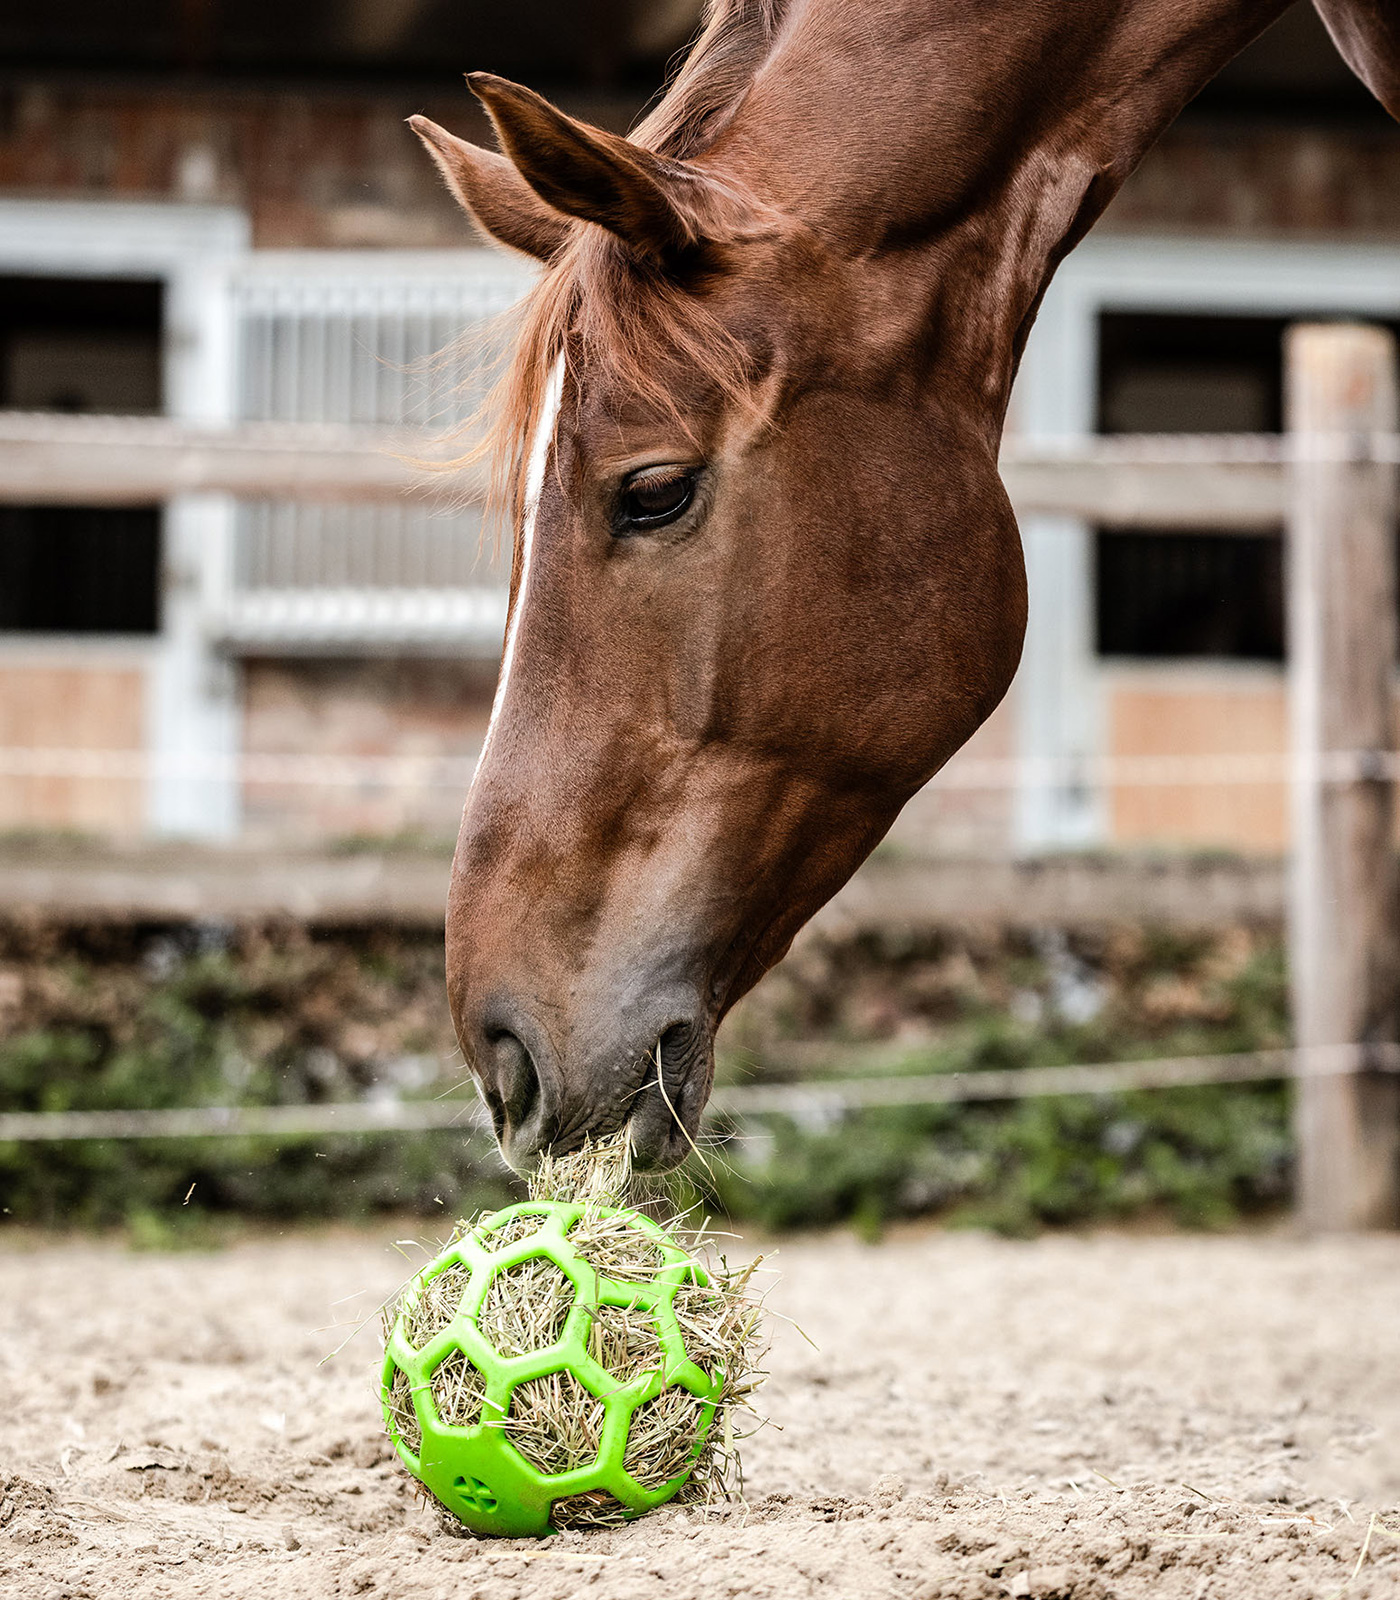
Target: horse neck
[980, 141]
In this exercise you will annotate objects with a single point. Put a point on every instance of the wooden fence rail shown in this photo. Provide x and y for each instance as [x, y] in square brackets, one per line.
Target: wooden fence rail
[1227, 483]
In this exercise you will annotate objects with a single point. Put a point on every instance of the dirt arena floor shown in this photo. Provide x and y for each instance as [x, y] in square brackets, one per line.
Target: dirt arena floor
[1074, 1419]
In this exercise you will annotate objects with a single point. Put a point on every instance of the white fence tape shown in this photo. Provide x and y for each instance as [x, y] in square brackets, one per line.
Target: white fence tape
[818, 1101]
[455, 771]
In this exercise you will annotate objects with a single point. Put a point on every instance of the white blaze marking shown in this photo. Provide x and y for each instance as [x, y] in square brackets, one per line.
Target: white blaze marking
[534, 489]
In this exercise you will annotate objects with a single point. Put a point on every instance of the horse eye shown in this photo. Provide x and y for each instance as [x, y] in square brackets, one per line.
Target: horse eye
[653, 497]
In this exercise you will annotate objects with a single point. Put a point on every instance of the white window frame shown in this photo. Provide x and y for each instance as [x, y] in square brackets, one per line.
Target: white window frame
[193, 713]
[1059, 691]
[466, 622]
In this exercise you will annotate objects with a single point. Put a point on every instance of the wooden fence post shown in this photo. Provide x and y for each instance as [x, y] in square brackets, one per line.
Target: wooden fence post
[1343, 946]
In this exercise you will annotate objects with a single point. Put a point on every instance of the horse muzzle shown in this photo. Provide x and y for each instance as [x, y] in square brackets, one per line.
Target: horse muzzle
[649, 1073]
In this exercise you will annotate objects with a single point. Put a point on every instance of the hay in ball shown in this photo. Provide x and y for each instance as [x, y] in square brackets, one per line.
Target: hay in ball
[569, 1362]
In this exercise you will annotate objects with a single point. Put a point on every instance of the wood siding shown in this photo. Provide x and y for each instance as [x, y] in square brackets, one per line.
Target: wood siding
[95, 704]
[1191, 712]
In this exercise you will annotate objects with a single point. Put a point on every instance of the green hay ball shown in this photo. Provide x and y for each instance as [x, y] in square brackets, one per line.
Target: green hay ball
[582, 1396]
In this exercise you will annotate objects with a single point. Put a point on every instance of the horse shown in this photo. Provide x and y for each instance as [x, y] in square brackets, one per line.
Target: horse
[765, 578]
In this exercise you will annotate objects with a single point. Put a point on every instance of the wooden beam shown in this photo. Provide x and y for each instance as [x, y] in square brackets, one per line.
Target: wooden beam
[66, 460]
[1225, 484]
[1341, 401]
[101, 881]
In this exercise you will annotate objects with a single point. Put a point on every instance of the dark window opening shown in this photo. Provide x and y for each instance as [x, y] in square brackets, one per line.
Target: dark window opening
[1190, 374]
[79, 569]
[1189, 594]
[1204, 592]
[80, 344]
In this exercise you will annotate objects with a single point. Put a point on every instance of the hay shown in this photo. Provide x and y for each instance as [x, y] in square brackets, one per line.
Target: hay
[436, 1305]
[661, 1440]
[623, 1343]
[613, 1246]
[597, 1509]
[526, 1307]
[596, 1174]
[458, 1391]
[722, 1324]
[404, 1418]
[554, 1421]
[511, 1232]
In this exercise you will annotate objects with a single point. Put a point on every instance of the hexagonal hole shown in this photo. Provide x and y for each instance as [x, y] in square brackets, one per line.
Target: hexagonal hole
[526, 1307]
[403, 1419]
[625, 1341]
[438, 1302]
[596, 1509]
[458, 1390]
[719, 1328]
[616, 1247]
[511, 1232]
[662, 1437]
[555, 1423]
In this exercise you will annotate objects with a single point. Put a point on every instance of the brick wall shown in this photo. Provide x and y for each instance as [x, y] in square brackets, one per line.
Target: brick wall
[362, 708]
[337, 167]
[97, 702]
[320, 167]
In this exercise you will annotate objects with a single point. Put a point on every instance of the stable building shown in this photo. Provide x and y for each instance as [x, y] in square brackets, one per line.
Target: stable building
[230, 224]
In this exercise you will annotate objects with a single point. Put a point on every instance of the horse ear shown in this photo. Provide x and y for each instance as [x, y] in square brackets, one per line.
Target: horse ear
[493, 193]
[657, 206]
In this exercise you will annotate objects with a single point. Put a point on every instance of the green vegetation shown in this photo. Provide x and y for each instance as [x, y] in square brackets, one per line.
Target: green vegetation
[1202, 1156]
[136, 1018]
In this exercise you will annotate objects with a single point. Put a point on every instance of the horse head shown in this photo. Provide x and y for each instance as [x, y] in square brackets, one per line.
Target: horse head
[766, 581]
[766, 577]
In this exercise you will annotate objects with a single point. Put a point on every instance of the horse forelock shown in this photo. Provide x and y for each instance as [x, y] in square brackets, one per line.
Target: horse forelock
[611, 321]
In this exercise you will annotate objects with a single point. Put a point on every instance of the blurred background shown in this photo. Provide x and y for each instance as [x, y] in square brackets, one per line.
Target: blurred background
[236, 728]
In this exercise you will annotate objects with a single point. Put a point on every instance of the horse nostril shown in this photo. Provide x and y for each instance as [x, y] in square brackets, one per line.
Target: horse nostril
[665, 1108]
[671, 1058]
[517, 1081]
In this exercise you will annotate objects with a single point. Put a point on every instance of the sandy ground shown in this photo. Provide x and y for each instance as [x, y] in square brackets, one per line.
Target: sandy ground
[1074, 1419]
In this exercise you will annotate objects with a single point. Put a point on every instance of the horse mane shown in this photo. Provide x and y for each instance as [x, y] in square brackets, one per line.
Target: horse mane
[597, 303]
[705, 91]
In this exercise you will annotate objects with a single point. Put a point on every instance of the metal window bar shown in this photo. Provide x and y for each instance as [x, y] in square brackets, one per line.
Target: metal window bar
[384, 345]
